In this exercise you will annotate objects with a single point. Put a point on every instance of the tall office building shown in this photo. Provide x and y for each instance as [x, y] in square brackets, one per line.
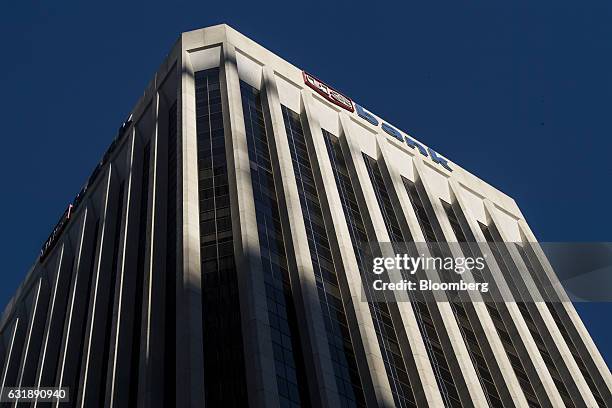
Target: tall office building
[215, 257]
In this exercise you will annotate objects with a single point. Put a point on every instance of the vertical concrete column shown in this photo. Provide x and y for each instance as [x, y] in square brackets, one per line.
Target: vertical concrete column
[530, 357]
[258, 354]
[303, 283]
[555, 343]
[13, 349]
[404, 321]
[458, 350]
[49, 354]
[441, 314]
[70, 354]
[478, 315]
[93, 344]
[189, 350]
[492, 345]
[118, 375]
[575, 327]
[38, 314]
[76, 357]
[151, 385]
[367, 351]
[523, 341]
[402, 205]
[146, 133]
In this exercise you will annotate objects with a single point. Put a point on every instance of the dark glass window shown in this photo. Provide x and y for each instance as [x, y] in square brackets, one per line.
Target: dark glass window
[500, 326]
[57, 323]
[383, 325]
[440, 361]
[422, 315]
[74, 383]
[492, 308]
[531, 267]
[496, 249]
[395, 234]
[339, 340]
[426, 327]
[140, 271]
[288, 355]
[384, 201]
[111, 297]
[224, 370]
[481, 364]
[171, 250]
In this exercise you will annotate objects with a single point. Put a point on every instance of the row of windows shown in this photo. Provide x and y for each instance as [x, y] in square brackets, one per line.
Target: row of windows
[531, 267]
[224, 374]
[383, 325]
[504, 265]
[224, 362]
[465, 325]
[340, 344]
[492, 306]
[288, 355]
[449, 388]
[110, 301]
[140, 272]
[502, 331]
[395, 234]
[171, 259]
[88, 292]
[287, 349]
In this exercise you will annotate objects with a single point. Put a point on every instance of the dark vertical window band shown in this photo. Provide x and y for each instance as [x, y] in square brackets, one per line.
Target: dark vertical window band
[140, 272]
[288, 354]
[426, 327]
[111, 297]
[383, 325]
[481, 364]
[513, 356]
[429, 226]
[501, 328]
[339, 339]
[448, 386]
[463, 236]
[224, 370]
[395, 234]
[56, 325]
[531, 267]
[504, 266]
[74, 383]
[383, 199]
[171, 249]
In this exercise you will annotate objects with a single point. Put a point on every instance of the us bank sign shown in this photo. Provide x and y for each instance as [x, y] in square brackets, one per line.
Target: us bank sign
[347, 103]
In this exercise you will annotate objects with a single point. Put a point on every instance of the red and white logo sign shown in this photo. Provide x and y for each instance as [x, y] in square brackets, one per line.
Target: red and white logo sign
[328, 92]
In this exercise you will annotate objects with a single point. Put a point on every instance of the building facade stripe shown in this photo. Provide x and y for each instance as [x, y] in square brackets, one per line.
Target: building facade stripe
[259, 358]
[323, 388]
[337, 333]
[369, 359]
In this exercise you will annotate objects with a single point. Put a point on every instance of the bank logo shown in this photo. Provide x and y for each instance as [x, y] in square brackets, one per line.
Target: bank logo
[328, 92]
[345, 102]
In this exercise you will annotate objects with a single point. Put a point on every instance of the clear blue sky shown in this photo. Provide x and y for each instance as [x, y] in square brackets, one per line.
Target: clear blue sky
[517, 93]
